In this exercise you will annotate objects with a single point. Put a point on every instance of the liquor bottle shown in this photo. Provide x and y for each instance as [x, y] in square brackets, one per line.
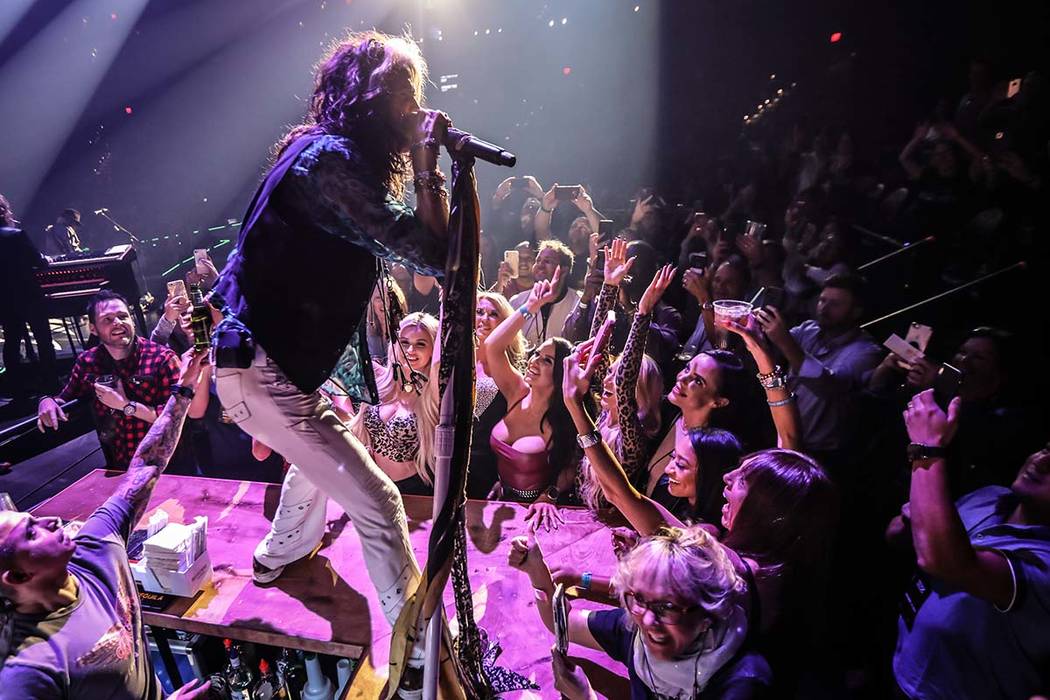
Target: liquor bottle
[238, 676]
[200, 319]
[291, 674]
[318, 687]
[267, 687]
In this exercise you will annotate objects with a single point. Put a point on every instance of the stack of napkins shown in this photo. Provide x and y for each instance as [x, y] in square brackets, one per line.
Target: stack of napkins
[175, 560]
[177, 546]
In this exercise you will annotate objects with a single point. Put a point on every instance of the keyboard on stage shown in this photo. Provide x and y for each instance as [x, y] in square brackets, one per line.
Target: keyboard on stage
[70, 280]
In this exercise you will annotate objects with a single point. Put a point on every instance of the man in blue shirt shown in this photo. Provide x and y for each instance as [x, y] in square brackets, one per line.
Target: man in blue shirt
[830, 361]
[976, 623]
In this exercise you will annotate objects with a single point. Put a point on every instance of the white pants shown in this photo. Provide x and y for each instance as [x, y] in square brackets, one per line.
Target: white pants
[328, 462]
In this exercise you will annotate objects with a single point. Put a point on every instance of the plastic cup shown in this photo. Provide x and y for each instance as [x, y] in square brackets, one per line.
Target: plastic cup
[109, 380]
[731, 310]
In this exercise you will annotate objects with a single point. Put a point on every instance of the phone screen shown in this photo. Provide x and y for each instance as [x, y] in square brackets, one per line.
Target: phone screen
[946, 385]
[698, 260]
[919, 335]
[177, 288]
[566, 193]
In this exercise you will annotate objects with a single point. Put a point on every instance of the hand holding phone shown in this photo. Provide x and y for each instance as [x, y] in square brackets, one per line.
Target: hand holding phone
[566, 193]
[177, 288]
[698, 261]
[200, 255]
[946, 385]
[513, 259]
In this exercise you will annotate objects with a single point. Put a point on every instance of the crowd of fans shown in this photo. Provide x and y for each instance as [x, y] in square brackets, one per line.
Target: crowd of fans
[784, 530]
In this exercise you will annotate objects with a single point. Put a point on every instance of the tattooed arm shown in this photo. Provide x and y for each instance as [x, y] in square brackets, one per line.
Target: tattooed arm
[156, 448]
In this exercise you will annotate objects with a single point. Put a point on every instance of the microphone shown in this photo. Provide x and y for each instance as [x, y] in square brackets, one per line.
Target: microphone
[103, 210]
[469, 145]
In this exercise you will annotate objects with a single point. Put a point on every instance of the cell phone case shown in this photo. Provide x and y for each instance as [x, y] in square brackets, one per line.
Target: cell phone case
[561, 618]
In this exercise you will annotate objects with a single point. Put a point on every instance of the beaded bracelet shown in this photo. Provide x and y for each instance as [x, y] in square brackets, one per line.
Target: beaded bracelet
[430, 181]
[777, 381]
[782, 402]
[776, 370]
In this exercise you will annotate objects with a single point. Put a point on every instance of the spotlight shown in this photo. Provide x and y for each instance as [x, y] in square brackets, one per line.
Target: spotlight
[551, 23]
[836, 37]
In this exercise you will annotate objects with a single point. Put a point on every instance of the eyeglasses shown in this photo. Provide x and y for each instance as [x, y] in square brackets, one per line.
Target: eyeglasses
[664, 611]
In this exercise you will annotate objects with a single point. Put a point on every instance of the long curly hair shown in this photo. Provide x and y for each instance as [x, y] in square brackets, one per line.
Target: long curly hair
[352, 88]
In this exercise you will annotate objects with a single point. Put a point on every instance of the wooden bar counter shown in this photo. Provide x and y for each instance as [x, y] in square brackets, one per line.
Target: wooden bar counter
[327, 604]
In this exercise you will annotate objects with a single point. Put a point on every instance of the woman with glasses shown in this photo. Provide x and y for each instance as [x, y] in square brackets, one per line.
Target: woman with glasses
[777, 518]
[681, 626]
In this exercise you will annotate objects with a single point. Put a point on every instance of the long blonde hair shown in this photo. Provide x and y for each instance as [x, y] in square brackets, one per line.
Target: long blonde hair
[425, 401]
[648, 392]
[516, 352]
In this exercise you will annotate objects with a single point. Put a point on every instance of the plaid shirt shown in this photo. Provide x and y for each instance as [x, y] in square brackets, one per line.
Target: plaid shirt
[147, 375]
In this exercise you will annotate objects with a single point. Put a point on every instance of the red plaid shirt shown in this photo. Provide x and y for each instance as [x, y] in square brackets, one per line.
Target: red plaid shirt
[147, 375]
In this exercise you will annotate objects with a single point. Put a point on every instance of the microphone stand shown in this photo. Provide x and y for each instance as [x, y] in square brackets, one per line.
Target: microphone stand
[1017, 265]
[141, 277]
[907, 247]
[104, 213]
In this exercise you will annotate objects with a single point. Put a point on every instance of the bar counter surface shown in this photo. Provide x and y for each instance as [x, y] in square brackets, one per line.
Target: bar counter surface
[327, 603]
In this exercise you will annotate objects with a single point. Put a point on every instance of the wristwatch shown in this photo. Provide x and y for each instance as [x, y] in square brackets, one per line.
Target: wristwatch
[180, 390]
[918, 452]
[588, 439]
[552, 493]
[129, 409]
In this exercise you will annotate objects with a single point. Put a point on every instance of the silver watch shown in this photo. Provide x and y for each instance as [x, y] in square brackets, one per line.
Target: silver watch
[588, 439]
[129, 409]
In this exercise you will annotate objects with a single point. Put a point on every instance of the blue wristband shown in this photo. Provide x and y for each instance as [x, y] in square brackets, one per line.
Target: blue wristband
[585, 581]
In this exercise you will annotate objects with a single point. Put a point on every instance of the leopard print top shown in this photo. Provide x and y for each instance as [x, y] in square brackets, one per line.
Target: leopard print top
[396, 439]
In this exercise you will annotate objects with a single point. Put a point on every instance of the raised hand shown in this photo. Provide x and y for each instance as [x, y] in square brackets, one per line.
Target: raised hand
[696, 283]
[544, 292]
[750, 330]
[550, 199]
[579, 369]
[583, 201]
[927, 424]
[655, 291]
[617, 264]
[773, 324]
[642, 208]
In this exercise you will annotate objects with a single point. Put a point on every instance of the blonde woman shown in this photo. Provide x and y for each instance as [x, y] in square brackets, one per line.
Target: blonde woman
[398, 432]
[490, 405]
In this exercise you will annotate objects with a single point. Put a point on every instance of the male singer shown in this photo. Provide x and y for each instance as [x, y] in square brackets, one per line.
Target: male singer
[298, 285]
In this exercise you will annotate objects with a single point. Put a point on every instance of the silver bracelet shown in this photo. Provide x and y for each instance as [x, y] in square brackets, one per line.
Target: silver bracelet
[782, 402]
